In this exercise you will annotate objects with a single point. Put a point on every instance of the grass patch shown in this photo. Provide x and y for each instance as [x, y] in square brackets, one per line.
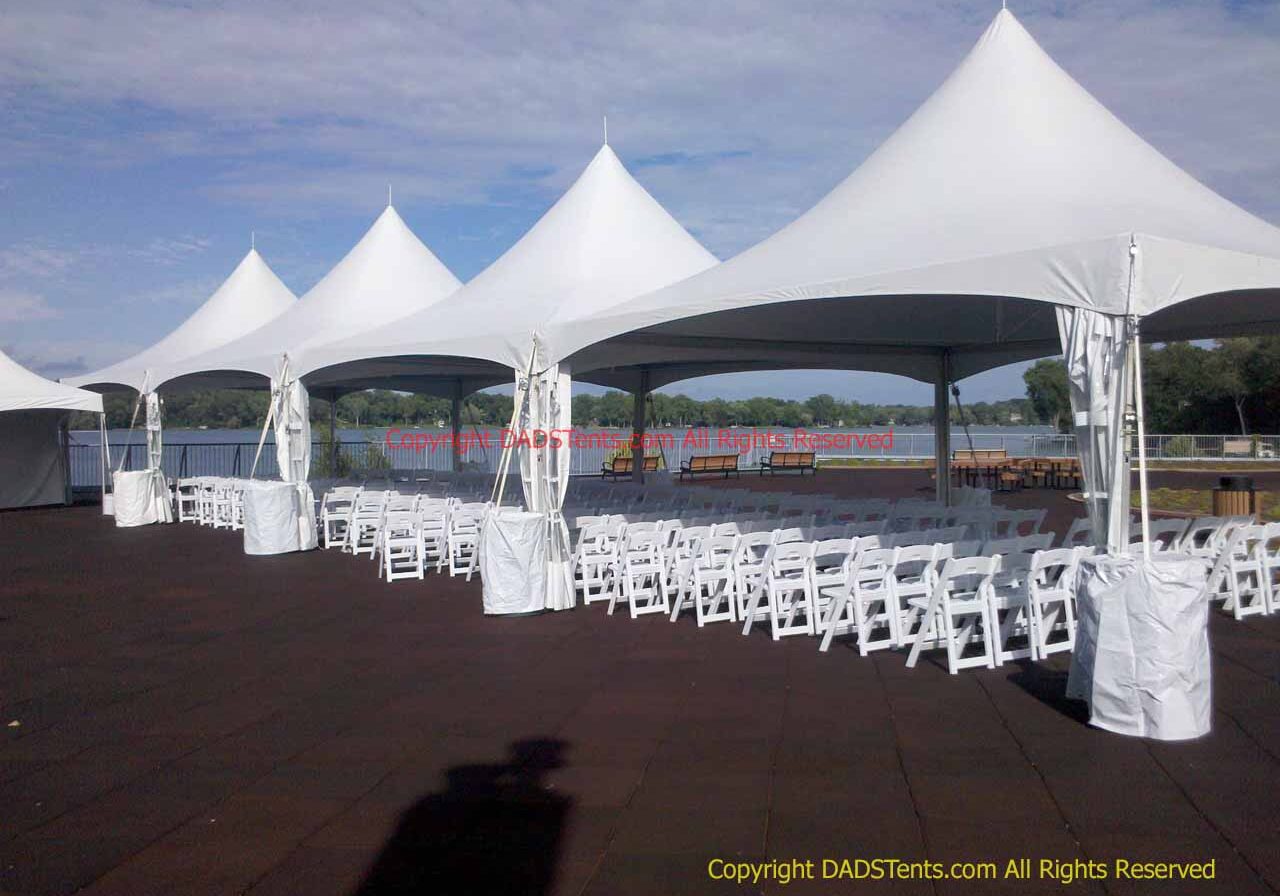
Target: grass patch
[1200, 502]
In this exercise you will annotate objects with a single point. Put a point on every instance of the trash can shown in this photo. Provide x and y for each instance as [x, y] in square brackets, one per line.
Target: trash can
[1235, 496]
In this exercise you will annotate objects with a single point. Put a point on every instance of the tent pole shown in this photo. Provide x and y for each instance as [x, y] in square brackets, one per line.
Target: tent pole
[104, 452]
[1140, 414]
[637, 427]
[333, 433]
[455, 426]
[942, 429]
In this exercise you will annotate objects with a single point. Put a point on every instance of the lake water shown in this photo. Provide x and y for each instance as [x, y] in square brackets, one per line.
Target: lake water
[230, 452]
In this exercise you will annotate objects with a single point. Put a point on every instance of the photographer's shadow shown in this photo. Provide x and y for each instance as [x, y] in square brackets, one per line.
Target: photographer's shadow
[495, 829]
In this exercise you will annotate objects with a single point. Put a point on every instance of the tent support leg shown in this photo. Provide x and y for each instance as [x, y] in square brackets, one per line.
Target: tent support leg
[1140, 416]
[333, 433]
[637, 427]
[455, 427]
[942, 429]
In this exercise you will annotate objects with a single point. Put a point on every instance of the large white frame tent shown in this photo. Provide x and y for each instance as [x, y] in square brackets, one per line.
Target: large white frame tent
[250, 297]
[34, 467]
[604, 241]
[1011, 217]
[389, 273]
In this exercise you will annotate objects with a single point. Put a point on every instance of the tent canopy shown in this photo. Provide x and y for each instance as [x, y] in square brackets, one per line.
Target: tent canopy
[1010, 191]
[605, 240]
[246, 300]
[386, 275]
[22, 390]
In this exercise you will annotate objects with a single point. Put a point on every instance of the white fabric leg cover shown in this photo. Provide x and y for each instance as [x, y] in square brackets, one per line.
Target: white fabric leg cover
[1141, 659]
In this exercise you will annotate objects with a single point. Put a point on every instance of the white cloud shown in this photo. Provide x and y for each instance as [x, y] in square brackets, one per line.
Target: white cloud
[56, 358]
[19, 306]
[32, 260]
[171, 250]
[318, 105]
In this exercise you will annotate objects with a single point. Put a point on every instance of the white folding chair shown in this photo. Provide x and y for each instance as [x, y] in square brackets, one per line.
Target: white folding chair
[400, 546]
[433, 534]
[1052, 601]
[864, 604]
[1243, 564]
[749, 564]
[958, 614]
[784, 592]
[365, 519]
[712, 588]
[464, 539]
[642, 574]
[911, 581]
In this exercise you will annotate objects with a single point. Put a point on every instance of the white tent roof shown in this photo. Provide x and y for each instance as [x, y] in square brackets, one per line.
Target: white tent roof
[246, 300]
[387, 274]
[604, 241]
[22, 390]
[1011, 181]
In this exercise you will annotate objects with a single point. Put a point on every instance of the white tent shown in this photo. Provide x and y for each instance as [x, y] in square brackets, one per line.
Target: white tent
[387, 274]
[1010, 182]
[33, 438]
[604, 241]
[1011, 216]
[247, 299]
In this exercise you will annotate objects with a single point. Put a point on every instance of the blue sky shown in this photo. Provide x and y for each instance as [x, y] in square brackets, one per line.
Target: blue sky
[144, 141]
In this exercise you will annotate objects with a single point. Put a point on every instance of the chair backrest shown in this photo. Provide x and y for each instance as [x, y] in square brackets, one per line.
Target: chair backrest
[1079, 535]
[869, 543]
[753, 547]
[729, 528]
[788, 536]
[826, 533]
[691, 536]
[829, 553]
[873, 567]
[1028, 522]
[400, 521]
[717, 551]
[910, 539]
[915, 562]
[640, 545]
[972, 574]
[1001, 546]
[791, 556]
[1054, 570]
[1041, 541]
[1203, 535]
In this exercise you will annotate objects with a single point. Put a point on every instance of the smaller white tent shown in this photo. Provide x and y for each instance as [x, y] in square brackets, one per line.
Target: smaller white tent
[33, 440]
[246, 300]
[389, 273]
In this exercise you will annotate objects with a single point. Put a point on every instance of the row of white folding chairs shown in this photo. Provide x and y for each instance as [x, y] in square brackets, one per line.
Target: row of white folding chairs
[1246, 573]
[215, 501]
[1204, 536]
[448, 537]
[648, 565]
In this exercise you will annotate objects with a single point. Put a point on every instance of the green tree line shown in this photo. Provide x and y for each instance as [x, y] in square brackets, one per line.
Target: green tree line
[244, 409]
[1229, 386]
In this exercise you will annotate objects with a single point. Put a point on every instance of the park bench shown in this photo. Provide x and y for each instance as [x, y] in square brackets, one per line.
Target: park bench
[789, 460]
[723, 464]
[623, 466]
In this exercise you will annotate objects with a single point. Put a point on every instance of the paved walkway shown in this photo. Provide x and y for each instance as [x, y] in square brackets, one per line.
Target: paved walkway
[196, 721]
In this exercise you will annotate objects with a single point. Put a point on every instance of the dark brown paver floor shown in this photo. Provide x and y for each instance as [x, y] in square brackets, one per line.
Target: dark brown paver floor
[191, 720]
